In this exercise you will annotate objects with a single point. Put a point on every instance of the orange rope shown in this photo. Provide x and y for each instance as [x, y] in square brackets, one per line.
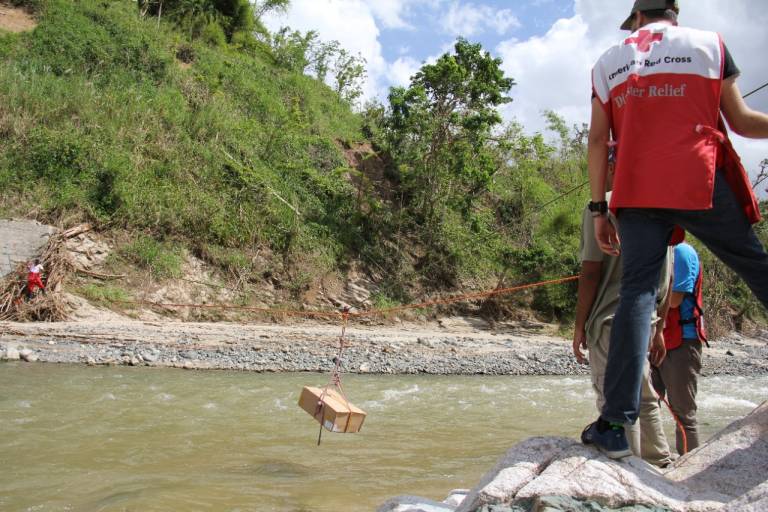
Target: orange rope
[335, 379]
[679, 423]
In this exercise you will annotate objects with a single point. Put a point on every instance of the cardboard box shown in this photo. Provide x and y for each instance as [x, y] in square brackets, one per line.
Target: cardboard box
[336, 414]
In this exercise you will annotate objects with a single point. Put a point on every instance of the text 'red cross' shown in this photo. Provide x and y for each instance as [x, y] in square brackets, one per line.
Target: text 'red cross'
[644, 40]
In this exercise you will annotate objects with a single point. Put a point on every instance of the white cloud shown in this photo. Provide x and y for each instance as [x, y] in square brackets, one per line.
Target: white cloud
[401, 71]
[553, 70]
[390, 13]
[471, 19]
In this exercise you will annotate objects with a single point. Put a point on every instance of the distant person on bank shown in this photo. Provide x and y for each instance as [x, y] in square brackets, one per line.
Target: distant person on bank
[677, 375]
[659, 94]
[34, 281]
[598, 297]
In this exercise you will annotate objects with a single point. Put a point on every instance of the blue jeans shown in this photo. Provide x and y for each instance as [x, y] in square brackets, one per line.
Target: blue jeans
[644, 235]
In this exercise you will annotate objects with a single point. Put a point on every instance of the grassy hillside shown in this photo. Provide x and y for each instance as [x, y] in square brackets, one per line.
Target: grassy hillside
[184, 137]
[102, 120]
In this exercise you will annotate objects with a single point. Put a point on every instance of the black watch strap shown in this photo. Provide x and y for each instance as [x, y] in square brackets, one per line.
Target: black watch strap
[600, 207]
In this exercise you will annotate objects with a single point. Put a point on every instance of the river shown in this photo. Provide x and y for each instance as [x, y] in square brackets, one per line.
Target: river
[78, 438]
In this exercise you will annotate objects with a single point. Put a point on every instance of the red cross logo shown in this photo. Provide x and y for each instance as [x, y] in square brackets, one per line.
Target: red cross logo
[644, 40]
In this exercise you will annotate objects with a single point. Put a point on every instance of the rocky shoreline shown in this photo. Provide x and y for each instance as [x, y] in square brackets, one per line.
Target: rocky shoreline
[453, 346]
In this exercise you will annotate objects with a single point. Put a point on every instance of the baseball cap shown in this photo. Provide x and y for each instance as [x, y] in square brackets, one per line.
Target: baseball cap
[647, 5]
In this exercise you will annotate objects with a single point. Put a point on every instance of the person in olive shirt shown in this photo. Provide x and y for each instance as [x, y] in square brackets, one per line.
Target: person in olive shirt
[598, 296]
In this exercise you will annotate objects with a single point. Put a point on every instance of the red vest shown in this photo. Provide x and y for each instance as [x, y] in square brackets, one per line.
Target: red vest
[661, 91]
[673, 327]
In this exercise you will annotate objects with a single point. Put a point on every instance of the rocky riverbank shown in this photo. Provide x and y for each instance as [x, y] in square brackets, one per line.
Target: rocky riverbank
[452, 346]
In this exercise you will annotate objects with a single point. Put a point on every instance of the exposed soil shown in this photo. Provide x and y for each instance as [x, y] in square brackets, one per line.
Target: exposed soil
[15, 19]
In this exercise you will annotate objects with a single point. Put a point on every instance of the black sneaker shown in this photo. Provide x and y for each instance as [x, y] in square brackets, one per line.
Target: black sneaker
[609, 438]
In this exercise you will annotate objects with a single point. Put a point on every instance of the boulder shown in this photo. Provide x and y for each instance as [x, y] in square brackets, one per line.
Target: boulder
[456, 497]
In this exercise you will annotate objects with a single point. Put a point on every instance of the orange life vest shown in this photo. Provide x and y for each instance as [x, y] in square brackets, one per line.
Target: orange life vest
[673, 327]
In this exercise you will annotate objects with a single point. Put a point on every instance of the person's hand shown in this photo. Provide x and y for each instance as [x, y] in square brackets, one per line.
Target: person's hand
[657, 351]
[579, 343]
[606, 236]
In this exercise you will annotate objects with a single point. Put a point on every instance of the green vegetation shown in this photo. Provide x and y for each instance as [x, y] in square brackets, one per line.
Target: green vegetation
[162, 260]
[104, 294]
[190, 129]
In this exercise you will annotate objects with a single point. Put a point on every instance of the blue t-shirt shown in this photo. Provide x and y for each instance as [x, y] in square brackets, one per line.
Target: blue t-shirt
[686, 273]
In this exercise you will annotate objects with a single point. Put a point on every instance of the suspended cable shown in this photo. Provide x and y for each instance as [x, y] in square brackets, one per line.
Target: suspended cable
[753, 92]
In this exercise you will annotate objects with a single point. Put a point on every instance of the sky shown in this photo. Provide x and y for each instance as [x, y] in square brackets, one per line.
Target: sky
[547, 46]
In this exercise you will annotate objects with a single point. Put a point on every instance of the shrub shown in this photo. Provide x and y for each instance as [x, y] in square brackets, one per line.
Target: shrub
[162, 260]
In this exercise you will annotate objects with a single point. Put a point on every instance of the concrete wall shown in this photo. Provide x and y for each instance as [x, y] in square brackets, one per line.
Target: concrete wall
[20, 241]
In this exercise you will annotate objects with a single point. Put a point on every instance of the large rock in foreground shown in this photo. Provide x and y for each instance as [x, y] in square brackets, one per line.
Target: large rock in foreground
[727, 473]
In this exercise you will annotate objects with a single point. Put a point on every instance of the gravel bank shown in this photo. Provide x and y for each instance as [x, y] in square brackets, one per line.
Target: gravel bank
[456, 346]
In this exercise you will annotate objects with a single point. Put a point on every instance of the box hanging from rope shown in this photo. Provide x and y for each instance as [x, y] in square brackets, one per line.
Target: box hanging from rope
[331, 409]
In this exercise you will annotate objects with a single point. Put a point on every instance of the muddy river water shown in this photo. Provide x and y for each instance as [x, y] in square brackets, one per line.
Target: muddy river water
[78, 438]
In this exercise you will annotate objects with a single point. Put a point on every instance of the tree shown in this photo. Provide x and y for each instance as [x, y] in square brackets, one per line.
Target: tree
[265, 6]
[231, 16]
[440, 130]
[306, 53]
[349, 74]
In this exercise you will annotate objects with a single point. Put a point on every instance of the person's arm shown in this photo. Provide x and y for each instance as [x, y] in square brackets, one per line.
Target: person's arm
[589, 280]
[658, 350]
[742, 119]
[597, 163]
[676, 298]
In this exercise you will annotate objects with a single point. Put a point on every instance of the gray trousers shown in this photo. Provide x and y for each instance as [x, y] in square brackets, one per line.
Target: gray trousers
[646, 437]
[678, 376]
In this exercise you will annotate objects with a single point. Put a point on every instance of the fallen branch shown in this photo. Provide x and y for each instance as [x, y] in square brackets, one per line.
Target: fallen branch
[76, 230]
[99, 275]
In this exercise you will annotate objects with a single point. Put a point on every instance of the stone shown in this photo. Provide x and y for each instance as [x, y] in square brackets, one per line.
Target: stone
[519, 466]
[149, 357]
[31, 358]
[413, 504]
[456, 496]
[12, 353]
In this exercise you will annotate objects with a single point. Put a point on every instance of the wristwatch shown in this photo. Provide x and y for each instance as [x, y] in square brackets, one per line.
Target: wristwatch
[598, 208]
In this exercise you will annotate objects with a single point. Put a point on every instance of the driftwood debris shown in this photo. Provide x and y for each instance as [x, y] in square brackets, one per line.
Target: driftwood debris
[47, 306]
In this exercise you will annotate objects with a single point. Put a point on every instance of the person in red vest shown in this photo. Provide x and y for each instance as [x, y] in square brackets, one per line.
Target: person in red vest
[684, 333]
[33, 278]
[659, 94]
